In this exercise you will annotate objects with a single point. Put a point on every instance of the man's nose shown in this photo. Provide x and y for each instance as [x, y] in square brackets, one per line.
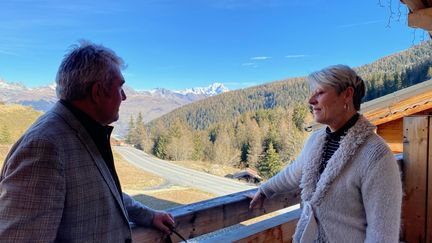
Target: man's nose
[123, 95]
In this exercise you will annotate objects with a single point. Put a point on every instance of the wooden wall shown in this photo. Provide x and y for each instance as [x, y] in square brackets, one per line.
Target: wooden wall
[417, 180]
[392, 132]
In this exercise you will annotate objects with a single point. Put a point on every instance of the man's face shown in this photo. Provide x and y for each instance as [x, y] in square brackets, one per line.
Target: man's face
[109, 110]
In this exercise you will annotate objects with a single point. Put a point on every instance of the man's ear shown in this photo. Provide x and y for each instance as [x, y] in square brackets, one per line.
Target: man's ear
[96, 92]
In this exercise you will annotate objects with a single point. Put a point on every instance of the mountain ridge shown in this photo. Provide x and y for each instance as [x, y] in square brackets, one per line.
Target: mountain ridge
[151, 103]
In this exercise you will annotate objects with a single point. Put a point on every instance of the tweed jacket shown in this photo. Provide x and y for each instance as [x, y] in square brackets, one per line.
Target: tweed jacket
[56, 187]
[358, 196]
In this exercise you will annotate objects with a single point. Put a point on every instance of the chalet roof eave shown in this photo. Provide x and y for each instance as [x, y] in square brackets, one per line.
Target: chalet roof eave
[396, 104]
[420, 14]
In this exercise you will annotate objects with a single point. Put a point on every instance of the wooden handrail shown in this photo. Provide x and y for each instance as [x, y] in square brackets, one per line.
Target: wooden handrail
[279, 228]
[207, 216]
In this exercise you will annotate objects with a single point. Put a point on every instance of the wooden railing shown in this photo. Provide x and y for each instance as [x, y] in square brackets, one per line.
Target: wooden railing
[207, 216]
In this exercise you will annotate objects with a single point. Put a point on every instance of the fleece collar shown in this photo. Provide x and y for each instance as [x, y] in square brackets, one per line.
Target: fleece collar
[315, 188]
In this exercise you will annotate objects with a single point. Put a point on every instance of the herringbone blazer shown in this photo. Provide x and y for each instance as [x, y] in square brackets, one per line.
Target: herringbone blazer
[56, 187]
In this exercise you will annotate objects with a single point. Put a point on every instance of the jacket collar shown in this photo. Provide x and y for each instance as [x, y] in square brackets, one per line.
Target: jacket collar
[68, 117]
[315, 188]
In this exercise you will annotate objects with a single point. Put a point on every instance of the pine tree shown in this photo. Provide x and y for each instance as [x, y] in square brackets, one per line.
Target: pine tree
[199, 139]
[140, 135]
[299, 115]
[131, 131]
[270, 163]
[160, 149]
[429, 73]
[180, 145]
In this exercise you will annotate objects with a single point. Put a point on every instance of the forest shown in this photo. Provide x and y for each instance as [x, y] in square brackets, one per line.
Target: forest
[263, 127]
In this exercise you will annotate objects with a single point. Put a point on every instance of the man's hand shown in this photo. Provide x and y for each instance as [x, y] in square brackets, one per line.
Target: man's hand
[163, 221]
[257, 200]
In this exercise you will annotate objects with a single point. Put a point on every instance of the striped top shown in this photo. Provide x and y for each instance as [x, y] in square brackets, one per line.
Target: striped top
[333, 140]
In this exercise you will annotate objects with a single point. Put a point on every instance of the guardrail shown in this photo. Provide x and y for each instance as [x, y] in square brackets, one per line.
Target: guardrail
[207, 216]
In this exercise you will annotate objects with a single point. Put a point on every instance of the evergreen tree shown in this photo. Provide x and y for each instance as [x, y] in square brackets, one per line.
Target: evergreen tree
[139, 138]
[198, 141]
[299, 114]
[180, 145]
[429, 73]
[254, 143]
[160, 147]
[131, 131]
[270, 164]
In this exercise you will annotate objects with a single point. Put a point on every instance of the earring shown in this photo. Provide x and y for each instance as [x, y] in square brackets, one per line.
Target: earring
[346, 107]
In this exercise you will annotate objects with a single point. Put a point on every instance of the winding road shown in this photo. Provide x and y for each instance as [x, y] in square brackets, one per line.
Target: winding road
[182, 176]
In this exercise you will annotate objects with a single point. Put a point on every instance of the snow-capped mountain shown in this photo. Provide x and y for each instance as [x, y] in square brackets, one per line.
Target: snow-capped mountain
[151, 104]
[10, 86]
[214, 89]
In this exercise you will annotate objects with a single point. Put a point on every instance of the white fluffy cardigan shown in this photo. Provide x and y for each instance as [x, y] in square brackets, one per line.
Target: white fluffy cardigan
[358, 196]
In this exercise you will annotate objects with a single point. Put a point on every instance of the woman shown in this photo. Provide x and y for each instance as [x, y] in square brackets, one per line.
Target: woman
[350, 183]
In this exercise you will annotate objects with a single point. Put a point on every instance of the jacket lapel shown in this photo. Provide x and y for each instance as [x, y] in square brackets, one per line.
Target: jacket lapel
[91, 147]
[355, 137]
[310, 170]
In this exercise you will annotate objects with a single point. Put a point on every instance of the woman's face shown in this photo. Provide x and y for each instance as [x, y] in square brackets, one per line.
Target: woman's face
[328, 106]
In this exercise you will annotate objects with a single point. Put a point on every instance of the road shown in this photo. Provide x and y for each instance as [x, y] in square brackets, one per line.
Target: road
[180, 175]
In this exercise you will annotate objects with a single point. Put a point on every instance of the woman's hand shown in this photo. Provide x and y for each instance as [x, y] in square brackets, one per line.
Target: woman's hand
[257, 200]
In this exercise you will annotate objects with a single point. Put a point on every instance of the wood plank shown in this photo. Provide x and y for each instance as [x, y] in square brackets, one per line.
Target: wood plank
[396, 147]
[203, 217]
[397, 115]
[429, 188]
[393, 125]
[392, 133]
[414, 4]
[279, 228]
[421, 18]
[414, 178]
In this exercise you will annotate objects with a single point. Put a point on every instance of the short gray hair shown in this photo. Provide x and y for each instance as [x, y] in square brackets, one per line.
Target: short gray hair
[84, 65]
[340, 77]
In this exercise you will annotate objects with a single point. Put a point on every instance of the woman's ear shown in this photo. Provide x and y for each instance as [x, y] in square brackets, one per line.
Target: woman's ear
[349, 93]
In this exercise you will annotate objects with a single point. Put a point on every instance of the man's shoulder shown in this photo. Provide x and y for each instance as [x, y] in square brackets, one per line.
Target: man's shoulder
[48, 126]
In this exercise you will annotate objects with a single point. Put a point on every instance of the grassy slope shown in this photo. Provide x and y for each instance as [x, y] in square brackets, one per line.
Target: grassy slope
[17, 119]
[134, 181]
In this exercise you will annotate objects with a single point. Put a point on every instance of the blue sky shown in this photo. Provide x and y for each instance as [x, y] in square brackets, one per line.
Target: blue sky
[178, 44]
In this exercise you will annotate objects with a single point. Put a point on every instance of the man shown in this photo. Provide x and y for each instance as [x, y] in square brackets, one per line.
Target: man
[59, 183]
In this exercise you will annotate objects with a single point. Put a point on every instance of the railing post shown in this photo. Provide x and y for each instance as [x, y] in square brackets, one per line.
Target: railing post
[416, 210]
[429, 187]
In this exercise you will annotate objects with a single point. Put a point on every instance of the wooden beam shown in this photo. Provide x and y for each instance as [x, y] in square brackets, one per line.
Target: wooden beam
[415, 178]
[279, 228]
[429, 188]
[203, 217]
[421, 18]
[414, 4]
[399, 114]
[280, 233]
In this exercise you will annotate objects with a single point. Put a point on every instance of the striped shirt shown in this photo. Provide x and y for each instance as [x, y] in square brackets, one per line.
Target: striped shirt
[333, 140]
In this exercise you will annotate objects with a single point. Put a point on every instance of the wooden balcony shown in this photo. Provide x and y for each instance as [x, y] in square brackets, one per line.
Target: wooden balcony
[204, 217]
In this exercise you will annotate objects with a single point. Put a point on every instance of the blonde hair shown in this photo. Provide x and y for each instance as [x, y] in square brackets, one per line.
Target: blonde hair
[340, 77]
